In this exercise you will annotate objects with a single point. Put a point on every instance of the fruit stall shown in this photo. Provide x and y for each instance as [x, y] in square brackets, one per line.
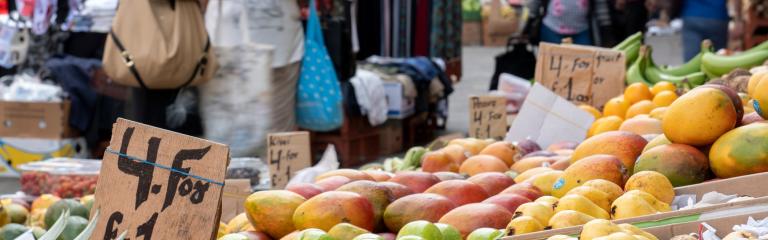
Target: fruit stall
[676, 153]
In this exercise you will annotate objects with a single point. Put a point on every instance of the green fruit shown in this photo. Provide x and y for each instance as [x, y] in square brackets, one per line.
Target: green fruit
[17, 213]
[75, 225]
[12, 231]
[485, 234]
[693, 65]
[635, 73]
[368, 236]
[720, 65]
[632, 39]
[88, 201]
[38, 232]
[448, 231]
[631, 53]
[55, 210]
[314, 234]
[421, 228]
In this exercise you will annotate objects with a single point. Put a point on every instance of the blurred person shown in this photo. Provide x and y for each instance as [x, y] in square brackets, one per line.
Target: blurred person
[562, 19]
[704, 19]
[633, 16]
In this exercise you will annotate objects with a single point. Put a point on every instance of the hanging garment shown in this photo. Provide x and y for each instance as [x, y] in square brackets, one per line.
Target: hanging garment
[318, 100]
[370, 95]
[241, 91]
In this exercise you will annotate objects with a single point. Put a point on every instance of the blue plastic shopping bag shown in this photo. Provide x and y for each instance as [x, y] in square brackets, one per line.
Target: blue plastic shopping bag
[318, 99]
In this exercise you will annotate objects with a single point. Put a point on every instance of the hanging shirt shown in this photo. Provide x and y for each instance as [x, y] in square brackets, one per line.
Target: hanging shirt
[273, 22]
[713, 9]
[567, 16]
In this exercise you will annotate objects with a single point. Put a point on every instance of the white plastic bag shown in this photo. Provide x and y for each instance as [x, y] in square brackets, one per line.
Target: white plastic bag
[329, 162]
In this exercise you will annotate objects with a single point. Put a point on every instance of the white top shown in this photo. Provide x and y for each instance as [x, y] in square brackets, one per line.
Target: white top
[272, 22]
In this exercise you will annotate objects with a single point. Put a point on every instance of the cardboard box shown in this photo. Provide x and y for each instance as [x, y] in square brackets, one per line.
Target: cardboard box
[46, 120]
[391, 138]
[743, 185]
[400, 107]
[472, 33]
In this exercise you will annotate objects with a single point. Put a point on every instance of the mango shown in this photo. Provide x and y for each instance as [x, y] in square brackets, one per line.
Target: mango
[581, 204]
[760, 96]
[597, 197]
[523, 225]
[378, 195]
[654, 183]
[605, 124]
[568, 218]
[416, 181]
[681, 164]
[510, 201]
[636, 203]
[473, 216]
[544, 181]
[352, 174]
[642, 126]
[397, 190]
[486, 234]
[346, 231]
[531, 162]
[624, 145]
[597, 228]
[608, 187]
[547, 200]
[492, 182]
[605, 167]
[448, 232]
[330, 208]
[438, 161]
[531, 172]
[482, 163]
[272, 211]
[741, 151]
[421, 206]
[461, 192]
[506, 151]
[700, 116]
[656, 141]
[421, 228]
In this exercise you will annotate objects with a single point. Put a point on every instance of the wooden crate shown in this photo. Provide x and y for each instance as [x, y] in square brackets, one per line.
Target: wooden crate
[391, 138]
[356, 142]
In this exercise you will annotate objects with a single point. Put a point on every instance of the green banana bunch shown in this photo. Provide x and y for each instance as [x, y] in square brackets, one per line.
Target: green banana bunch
[759, 47]
[635, 72]
[720, 65]
[630, 46]
[692, 66]
[631, 40]
[412, 159]
[655, 75]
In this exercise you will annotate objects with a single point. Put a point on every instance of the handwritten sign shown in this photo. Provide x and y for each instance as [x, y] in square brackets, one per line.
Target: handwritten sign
[487, 117]
[581, 74]
[547, 118]
[233, 199]
[287, 153]
[159, 184]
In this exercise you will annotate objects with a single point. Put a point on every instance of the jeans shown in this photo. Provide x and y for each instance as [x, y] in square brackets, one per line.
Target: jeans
[696, 29]
[549, 35]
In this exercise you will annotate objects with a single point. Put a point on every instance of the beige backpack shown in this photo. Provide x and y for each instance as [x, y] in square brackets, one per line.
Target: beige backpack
[159, 44]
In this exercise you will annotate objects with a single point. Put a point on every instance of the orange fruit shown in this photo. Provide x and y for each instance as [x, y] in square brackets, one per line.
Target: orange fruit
[591, 110]
[637, 92]
[662, 86]
[641, 107]
[605, 124]
[658, 113]
[616, 107]
[664, 98]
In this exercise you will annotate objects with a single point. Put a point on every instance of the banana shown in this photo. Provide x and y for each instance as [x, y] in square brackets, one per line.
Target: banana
[655, 75]
[412, 159]
[632, 39]
[759, 47]
[720, 65]
[631, 53]
[692, 66]
[635, 72]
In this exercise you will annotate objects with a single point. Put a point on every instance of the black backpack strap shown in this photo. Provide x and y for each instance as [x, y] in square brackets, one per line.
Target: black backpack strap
[127, 59]
[200, 64]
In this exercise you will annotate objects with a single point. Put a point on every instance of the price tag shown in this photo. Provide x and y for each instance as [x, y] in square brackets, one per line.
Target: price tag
[287, 153]
[487, 117]
[159, 184]
[581, 74]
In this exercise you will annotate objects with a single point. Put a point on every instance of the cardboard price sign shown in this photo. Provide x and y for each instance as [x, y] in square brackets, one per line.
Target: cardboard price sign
[487, 117]
[159, 184]
[581, 74]
[287, 153]
[233, 199]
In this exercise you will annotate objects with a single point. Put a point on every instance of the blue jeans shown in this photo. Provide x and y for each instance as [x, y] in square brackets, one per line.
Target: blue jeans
[549, 35]
[696, 29]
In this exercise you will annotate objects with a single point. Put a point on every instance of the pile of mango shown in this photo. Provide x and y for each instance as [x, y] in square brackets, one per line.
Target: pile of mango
[41, 217]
